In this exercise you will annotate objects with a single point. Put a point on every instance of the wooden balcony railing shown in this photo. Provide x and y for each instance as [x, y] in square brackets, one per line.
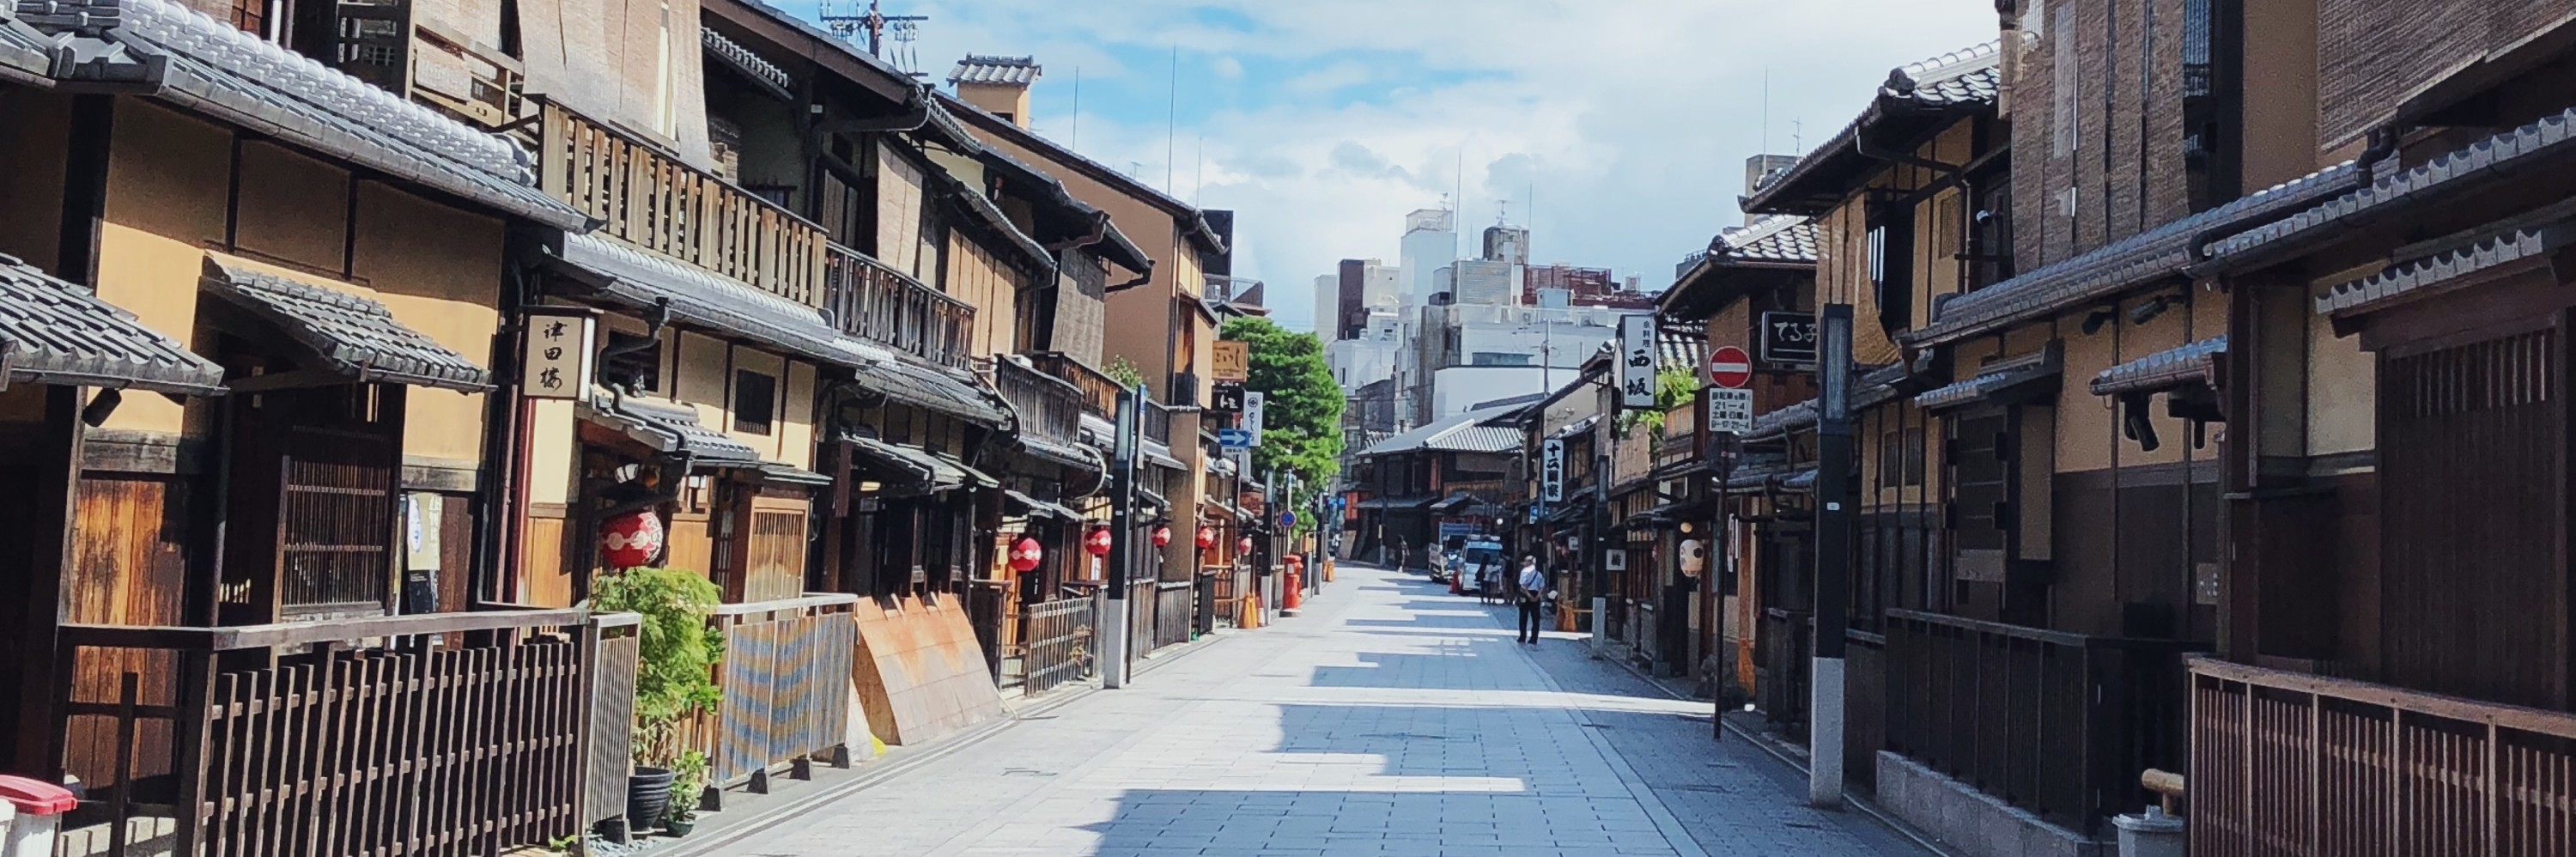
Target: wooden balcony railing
[1099, 391]
[1175, 612]
[1158, 423]
[2057, 723]
[882, 305]
[445, 733]
[652, 200]
[2291, 764]
[785, 677]
[1050, 408]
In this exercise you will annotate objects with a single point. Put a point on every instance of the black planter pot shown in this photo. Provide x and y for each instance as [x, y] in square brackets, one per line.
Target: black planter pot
[648, 798]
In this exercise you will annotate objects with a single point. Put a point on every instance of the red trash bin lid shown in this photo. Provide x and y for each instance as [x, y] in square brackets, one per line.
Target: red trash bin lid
[36, 797]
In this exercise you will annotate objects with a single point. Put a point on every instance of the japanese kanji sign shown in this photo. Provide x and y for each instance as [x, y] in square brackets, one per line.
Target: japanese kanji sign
[557, 363]
[1551, 470]
[1637, 361]
[1233, 361]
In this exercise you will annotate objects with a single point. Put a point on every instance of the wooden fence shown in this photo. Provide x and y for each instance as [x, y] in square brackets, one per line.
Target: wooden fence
[1782, 653]
[1059, 643]
[458, 733]
[615, 648]
[2298, 765]
[1175, 611]
[1140, 618]
[786, 684]
[2053, 722]
[651, 199]
[1230, 588]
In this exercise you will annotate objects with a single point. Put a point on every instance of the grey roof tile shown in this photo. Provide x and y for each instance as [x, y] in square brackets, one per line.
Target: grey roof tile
[666, 427]
[1951, 84]
[228, 74]
[1465, 432]
[2163, 370]
[2531, 146]
[2126, 264]
[56, 332]
[2429, 274]
[1774, 238]
[743, 60]
[1996, 379]
[697, 296]
[26, 56]
[980, 68]
[353, 336]
[909, 380]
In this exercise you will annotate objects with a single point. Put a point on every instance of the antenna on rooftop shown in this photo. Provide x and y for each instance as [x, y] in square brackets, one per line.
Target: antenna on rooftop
[877, 25]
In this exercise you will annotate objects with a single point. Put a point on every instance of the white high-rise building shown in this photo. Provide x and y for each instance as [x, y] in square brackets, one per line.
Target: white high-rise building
[1430, 243]
[1328, 306]
[1487, 282]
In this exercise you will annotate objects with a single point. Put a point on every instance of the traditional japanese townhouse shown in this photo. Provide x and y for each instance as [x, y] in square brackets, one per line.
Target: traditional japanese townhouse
[2015, 524]
[332, 531]
[1563, 445]
[2394, 671]
[1652, 490]
[1157, 324]
[1749, 279]
[1439, 481]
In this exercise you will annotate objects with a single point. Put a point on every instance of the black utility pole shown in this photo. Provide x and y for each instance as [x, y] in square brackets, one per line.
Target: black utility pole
[1833, 554]
[1112, 655]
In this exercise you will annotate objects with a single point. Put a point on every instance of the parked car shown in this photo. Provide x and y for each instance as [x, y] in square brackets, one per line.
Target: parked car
[1482, 562]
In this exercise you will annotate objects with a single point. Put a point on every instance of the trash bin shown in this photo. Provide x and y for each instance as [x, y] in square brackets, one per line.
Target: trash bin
[38, 807]
[2150, 834]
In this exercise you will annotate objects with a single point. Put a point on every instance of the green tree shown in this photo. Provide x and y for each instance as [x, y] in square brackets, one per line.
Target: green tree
[1302, 429]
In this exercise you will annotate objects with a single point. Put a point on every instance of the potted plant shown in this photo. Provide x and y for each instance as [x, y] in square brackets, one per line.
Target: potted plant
[688, 785]
[676, 654]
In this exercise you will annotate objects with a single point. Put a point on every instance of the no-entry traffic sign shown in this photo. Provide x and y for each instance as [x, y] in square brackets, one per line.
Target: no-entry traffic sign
[1730, 367]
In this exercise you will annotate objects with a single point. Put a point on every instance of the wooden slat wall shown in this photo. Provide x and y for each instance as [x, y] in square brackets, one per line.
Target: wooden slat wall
[129, 566]
[692, 546]
[612, 723]
[776, 569]
[1060, 634]
[656, 202]
[542, 562]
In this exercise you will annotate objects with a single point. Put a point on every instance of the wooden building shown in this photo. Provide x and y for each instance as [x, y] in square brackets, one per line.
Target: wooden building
[2394, 657]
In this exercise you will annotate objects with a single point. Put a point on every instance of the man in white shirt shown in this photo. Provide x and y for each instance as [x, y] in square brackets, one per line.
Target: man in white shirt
[1533, 584]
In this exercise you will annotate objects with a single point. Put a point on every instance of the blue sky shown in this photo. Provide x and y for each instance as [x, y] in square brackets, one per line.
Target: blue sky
[1321, 122]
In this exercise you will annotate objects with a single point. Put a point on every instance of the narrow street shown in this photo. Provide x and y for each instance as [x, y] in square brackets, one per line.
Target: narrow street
[1391, 718]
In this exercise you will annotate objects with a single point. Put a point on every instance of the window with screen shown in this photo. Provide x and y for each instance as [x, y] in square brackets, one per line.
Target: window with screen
[755, 398]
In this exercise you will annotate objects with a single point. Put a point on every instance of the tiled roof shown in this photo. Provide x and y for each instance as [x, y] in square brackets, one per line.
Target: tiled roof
[55, 332]
[1188, 218]
[697, 296]
[743, 60]
[2534, 146]
[1951, 84]
[978, 68]
[2429, 274]
[666, 427]
[1782, 421]
[1040, 508]
[1968, 76]
[1576, 427]
[2163, 370]
[1465, 432]
[1775, 238]
[2129, 263]
[216, 69]
[352, 335]
[1064, 454]
[1996, 380]
[908, 380]
[916, 468]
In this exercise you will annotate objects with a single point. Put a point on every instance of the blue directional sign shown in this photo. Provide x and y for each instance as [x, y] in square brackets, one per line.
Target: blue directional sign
[1234, 438]
[1287, 519]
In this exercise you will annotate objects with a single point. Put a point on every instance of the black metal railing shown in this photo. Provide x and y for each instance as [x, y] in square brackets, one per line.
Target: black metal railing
[870, 301]
[2054, 722]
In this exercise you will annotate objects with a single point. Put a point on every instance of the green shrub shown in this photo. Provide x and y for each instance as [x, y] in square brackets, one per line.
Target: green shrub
[676, 652]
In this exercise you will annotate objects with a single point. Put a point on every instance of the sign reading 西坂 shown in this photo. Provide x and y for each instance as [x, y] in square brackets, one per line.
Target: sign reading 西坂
[1788, 338]
[1637, 361]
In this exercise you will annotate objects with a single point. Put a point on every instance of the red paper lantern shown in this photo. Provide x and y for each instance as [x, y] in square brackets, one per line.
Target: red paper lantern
[1162, 536]
[1098, 542]
[1243, 545]
[1025, 554]
[631, 539]
[1207, 537]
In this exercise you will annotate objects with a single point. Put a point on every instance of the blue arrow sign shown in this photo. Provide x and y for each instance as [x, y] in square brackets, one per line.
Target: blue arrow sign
[1233, 438]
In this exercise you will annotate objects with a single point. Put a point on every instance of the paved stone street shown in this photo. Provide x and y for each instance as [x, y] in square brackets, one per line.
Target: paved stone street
[1392, 718]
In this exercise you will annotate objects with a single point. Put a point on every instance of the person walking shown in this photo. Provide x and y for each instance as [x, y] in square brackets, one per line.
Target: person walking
[1533, 585]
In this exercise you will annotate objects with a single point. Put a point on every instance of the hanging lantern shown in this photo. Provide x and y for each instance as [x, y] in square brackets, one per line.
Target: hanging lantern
[1243, 545]
[1162, 536]
[631, 539]
[1025, 554]
[1207, 537]
[1098, 542]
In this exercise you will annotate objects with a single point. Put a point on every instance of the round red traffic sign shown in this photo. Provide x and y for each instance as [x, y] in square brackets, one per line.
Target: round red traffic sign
[1730, 367]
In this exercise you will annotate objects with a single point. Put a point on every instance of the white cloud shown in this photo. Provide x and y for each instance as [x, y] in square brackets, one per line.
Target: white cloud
[1631, 119]
[1227, 67]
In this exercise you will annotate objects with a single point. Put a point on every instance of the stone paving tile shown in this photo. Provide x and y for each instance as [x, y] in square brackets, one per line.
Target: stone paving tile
[1391, 719]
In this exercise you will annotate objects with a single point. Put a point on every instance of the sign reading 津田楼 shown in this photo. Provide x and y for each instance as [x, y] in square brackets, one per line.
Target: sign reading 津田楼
[1637, 361]
[556, 364]
[1233, 361]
